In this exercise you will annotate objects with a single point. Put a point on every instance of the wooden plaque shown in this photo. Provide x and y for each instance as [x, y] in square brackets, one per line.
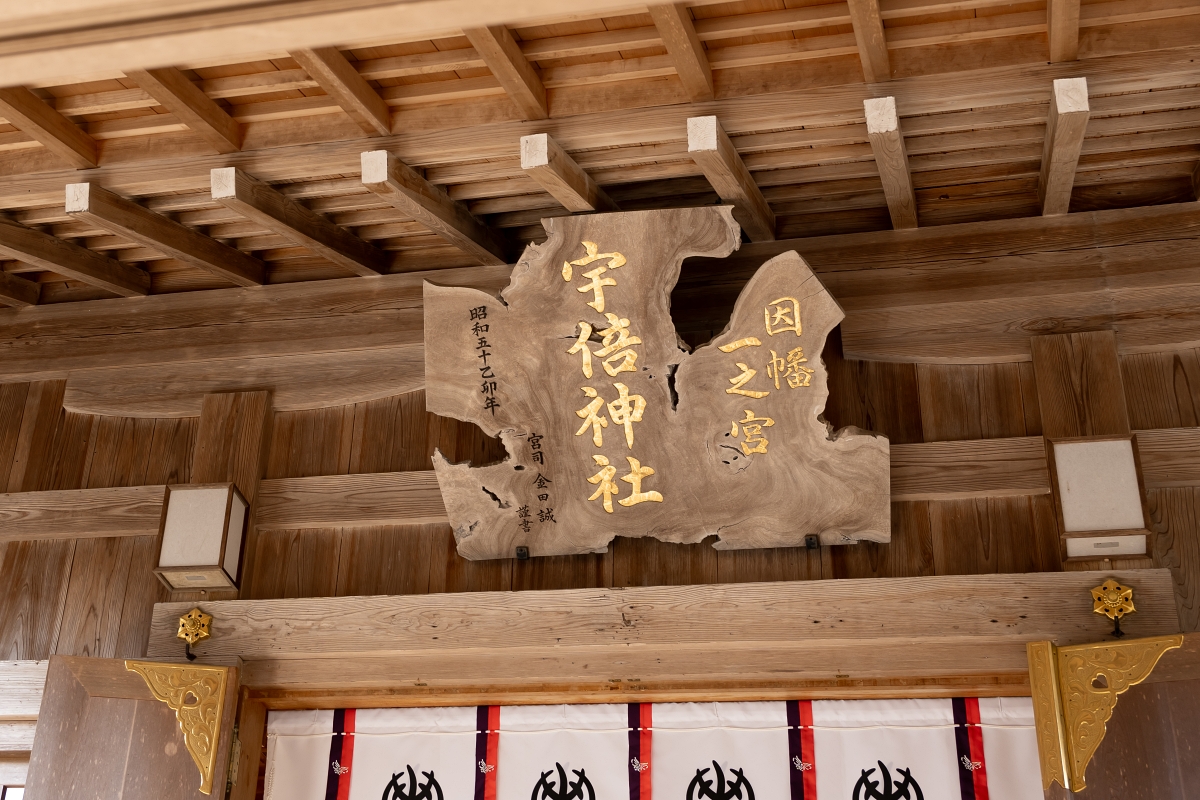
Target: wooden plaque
[614, 428]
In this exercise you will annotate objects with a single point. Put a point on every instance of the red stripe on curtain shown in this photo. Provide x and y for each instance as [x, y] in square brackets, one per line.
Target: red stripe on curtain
[975, 736]
[807, 746]
[343, 792]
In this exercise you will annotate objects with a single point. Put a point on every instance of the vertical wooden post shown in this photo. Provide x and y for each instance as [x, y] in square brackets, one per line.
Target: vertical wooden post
[1079, 385]
[39, 423]
[230, 444]
[251, 725]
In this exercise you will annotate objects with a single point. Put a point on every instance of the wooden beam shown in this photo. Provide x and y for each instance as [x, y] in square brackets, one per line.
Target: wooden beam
[1065, 129]
[909, 296]
[333, 501]
[78, 513]
[126, 218]
[500, 51]
[969, 469]
[678, 32]
[71, 260]
[872, 43]
[1196, 182]
[21, 685]
[887, 142]
[299, 381]
[586, 644]
[710, 147]
[1170, 457]
[172, 89]
[253, 199]
[405, 189]
[38, 120]
[547, 163]
[928, 471]
[17, 291]
[341, 81]
[1062, 23]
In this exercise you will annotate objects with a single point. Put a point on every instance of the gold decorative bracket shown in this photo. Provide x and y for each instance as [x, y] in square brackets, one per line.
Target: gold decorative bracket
[197, 696]
[1075, 690]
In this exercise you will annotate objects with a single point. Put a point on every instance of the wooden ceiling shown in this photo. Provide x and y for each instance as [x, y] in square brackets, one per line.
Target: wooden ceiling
[971, 81]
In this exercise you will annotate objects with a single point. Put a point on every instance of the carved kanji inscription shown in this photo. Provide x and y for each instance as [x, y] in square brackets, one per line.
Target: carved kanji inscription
[614, 429]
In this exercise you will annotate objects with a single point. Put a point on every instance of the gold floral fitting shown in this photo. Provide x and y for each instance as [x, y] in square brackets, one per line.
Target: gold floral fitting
[193, 626]
[1113, 601]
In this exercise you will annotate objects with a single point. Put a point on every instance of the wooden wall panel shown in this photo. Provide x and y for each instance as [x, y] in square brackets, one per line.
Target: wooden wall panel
[32, 457]
[910, 553]
[34, 578]
[122, 449]
[308, 443]
[12, 410]
[384, 559]
[73, 452]
[972, 401]
[1079, 384]
[1162, 390]
[649, 562]
[449, 572]
[142, 591]
[994, 535]
[776, 564]
[873, 395]
[1175, 518]
[588, 571]
[91, 619]
[294, 564]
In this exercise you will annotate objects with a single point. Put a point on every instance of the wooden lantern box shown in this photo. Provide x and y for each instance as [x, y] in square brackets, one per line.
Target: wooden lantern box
[203, 527]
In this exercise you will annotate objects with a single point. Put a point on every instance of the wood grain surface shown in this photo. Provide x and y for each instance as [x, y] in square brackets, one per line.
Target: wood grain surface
[775, 477]
[68, 514]
[571, 644]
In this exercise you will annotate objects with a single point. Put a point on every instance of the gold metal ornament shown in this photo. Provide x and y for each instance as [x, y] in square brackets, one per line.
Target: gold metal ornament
[1075, 690]
[194, 626]
[1113, 601]
[197, 696]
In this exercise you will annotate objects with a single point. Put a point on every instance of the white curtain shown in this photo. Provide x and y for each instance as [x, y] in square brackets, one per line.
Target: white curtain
[952, 749]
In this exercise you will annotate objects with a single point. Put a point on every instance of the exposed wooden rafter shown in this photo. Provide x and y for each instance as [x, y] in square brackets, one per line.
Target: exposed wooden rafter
[503, 56]
[1065, 129]
[405, 189]
[872, 42]
[341, 81]
[71, 260]
[1062, 22]
[16, 291]
[172, 89]
[126, 218]
[678, 32]
[234, 189]
[710, 147]
[547, 163]
[37, 119]
[887, 142]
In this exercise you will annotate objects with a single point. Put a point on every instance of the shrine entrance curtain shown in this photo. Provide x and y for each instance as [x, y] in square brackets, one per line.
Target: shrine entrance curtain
[968, 748]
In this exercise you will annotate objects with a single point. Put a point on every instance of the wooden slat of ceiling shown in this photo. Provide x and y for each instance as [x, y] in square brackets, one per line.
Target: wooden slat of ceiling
[973, 136]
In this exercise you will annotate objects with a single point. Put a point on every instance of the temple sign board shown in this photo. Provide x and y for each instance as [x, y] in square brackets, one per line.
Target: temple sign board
[613, 428]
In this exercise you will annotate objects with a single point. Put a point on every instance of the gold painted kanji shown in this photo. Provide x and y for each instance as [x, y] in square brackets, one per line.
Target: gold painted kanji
[638, 434]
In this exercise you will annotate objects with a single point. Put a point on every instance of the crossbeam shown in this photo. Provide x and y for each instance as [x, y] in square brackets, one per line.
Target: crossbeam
[253, 199]
[126, 218]
[401, 186]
